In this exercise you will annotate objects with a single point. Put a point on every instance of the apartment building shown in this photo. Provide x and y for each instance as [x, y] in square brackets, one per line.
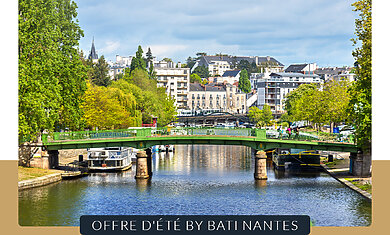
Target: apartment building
[224, 97]
[337, 73]
[176, 81]
[219, 64]
[273, 90]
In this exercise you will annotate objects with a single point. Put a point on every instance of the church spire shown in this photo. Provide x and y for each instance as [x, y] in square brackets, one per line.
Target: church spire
[93, 55]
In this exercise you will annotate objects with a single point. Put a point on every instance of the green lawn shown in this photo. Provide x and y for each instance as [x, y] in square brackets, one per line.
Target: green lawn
[26, 173]
[363, 186]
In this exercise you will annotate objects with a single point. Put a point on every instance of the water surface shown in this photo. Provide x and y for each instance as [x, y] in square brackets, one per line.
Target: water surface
[197, 180]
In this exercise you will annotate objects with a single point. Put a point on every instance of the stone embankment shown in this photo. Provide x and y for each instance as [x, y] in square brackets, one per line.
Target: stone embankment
[47, 179]
[340, 174]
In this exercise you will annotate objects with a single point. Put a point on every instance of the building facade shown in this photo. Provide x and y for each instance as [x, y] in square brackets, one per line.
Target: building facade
[335, 73]
[223, 97]
[176, 82]
[219, 64]
[273, 90]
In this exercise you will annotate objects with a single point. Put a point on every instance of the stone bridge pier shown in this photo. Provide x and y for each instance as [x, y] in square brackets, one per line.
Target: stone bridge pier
[260, 166]
[144, 164]
[360, 164]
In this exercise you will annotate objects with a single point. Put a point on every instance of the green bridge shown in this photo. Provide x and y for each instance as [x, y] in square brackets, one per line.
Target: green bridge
[258, 139]
[143, 138]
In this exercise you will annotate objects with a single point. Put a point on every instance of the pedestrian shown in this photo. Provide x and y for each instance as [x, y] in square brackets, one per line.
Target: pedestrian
[289, 132]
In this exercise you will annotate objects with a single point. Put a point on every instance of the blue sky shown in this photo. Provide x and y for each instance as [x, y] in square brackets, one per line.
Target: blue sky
[292, 31]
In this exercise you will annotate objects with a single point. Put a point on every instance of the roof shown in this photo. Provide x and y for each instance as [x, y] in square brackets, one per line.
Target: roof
[93, 55]
[230, 59]
[295, 67]
[293, 75]
[200, 87]
[230, 73]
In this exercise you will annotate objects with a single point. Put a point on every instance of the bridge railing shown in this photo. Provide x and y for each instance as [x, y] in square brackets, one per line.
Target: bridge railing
[101, 134]
[304, 136]
[244, 132]
[168, 131]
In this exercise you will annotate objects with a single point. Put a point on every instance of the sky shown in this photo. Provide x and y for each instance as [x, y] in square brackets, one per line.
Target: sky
[291, 31]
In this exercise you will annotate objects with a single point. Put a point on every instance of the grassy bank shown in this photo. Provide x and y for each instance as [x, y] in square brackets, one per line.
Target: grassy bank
[363, 185]
[26, 173]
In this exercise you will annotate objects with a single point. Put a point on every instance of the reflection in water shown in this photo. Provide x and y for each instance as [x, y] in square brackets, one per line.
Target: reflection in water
[143, 185]
[197, 180]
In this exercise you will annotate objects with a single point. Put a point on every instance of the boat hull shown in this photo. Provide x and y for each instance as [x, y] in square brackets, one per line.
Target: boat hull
[109, 169]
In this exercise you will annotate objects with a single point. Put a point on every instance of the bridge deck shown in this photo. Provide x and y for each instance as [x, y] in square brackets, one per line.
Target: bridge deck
[254, 138]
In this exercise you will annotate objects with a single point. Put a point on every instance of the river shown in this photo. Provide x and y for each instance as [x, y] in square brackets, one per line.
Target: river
[196, 180]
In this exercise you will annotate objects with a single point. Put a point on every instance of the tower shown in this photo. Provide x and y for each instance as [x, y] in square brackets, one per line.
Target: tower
[93, 55]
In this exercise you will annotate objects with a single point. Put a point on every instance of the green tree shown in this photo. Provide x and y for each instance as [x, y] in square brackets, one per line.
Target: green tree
[266, 115]
[190, 62]
[151, 73]
[151, 100]
[262, 117]
[201, 71]
[109, 108]
[149, 56]
[169, 60]
[118, 76]
[195, 78]
[360, 105]
[335, 101]
[138, 62]
[51, 74]
[243, 83]
[99, 72]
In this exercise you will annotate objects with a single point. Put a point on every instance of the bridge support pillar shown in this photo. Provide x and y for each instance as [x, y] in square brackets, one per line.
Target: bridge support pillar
[142, 171]
[53, 158]
[360, 164]
[260, 165]
[149, 161]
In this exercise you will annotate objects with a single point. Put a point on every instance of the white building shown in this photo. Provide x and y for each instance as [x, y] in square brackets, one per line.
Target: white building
[231, 76]
[118, 67]
[223, 97]
[218, 64]
[273, 90]
[337, 73]
[176, 81]
[302, 68]
[123, 61]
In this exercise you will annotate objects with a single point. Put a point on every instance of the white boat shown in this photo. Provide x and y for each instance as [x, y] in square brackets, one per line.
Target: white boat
[110, 159]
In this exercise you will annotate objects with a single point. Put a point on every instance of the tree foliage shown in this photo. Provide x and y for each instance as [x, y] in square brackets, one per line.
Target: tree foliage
[151, 100]
[243, 83]
[138, 61]
[195, 78]
[201, 71]
[262, 117]
[51, 73]
[326, 105]
[98, 72]
[108, 107]
[360, 104]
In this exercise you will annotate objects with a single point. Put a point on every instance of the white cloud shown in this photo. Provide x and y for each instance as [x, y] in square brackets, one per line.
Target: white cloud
[162, 51]
[110, 47]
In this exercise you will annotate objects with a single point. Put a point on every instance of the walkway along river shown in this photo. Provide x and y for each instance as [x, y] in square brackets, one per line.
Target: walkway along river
[197, 180]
